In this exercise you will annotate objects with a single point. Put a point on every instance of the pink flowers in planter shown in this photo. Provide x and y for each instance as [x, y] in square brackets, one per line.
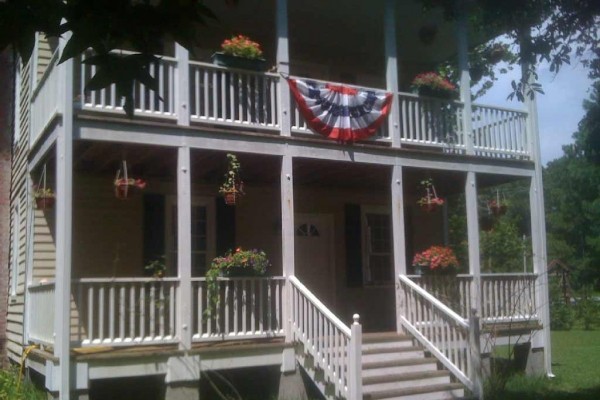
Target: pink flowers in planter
[242, 46]
[434, 85]
[436, 258]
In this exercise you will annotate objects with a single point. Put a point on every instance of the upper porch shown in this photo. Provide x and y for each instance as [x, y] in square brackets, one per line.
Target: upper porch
[362, 45]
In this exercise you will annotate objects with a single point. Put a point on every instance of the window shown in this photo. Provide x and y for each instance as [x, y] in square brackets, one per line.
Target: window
[203, 235]
[377, 240]
[14, 251]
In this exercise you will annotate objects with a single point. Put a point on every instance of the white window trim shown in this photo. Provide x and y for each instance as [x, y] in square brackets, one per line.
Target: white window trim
[211, 231]
[14, 252]
[364, 210]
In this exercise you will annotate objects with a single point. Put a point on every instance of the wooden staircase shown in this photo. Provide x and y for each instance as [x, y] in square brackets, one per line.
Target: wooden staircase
[394, 368]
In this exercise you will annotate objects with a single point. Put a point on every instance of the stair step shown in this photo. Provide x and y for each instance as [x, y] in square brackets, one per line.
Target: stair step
[402, 381]
[431, 392]
[391, 353]
[385, 340]
[378, 368]
[384, 337]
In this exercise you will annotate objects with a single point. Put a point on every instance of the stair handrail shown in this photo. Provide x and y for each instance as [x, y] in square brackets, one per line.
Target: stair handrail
[335, 347]
[453, 340]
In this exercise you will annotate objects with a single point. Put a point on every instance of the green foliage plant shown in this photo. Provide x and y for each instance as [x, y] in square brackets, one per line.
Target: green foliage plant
[13, 387]
[234, 263]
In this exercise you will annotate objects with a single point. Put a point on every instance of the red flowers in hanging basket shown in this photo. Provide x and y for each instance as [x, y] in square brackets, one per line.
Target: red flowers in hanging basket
[497, 208]
[231, 195]
[232, 188]
[122, 186]
[430, 202]
[44, 198]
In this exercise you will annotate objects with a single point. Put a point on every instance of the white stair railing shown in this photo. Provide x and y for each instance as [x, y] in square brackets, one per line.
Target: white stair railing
[334, 347]
[453, 340]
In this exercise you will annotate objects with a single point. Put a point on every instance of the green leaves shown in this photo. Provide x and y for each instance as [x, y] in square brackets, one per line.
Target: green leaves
[141, 26]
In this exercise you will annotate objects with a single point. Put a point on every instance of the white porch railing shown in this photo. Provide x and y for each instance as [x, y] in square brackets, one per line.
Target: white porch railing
[233, 97]
[453, 340]
[500, 132]
[427, 121]
[504, 297]
[125, 311]
[334, 347]
[247, 308]
[147, 102]
[41, 313]
[44, 99]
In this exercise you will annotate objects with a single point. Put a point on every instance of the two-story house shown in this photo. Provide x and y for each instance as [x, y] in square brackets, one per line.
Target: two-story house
[339, 221]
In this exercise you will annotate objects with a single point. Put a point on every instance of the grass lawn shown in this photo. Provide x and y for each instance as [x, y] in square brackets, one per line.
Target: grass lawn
[576, 365]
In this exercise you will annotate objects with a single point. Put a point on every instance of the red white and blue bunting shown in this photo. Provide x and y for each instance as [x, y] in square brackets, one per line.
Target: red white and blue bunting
[338, 112]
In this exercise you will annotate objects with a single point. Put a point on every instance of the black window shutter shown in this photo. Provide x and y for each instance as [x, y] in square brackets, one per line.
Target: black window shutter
[154, 227]
[354, 273]
[225, 226]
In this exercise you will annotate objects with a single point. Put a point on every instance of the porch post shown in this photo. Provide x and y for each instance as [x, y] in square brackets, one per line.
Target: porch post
[287, 233]
[538, 221]
[283, 66]
[391, 70]
[184, 246]
[465, 78]
[183, 85]
[399, 240]
[64, 226]
[473, 240]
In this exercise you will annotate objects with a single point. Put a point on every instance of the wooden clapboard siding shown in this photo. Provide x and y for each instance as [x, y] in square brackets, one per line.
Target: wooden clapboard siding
[44, 53]
[19, 198]
[44, 246]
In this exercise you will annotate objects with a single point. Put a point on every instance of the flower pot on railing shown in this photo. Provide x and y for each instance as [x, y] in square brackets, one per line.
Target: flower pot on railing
[230, 61]
[240, 52]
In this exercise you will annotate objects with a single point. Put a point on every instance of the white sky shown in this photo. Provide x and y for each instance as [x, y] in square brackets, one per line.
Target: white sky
[559, 109]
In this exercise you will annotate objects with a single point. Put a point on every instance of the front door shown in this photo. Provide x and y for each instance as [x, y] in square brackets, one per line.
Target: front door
[314, 255]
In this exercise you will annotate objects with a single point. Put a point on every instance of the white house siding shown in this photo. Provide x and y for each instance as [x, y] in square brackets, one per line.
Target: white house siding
[44, 54]
[19, 196]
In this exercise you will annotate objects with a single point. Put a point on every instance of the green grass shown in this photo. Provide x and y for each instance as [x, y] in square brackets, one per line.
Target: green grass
[11, 389]
[575, 364]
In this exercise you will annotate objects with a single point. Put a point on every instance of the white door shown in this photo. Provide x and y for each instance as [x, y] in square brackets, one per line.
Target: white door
[314, 255]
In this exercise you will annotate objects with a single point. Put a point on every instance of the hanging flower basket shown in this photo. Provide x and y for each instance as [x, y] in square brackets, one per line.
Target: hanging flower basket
[44, 198]
[497, 208]
[123, 184]
[233, 188]
[430, 202]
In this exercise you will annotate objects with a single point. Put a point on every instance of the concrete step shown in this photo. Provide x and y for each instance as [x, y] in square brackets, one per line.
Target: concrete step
[379, 368]
[402, 381]
[445, 391]
[391, 353]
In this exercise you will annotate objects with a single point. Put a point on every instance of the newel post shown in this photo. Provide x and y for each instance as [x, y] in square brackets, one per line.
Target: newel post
[475, 354]
[355, 361]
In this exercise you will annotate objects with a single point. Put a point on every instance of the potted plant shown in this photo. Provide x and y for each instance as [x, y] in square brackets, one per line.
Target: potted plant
[497, 207]
[157, 268]
[433, 84]
[233, 264]
[44, 198]
[240, 52]
[232, 187]
[122, 186]
[430, 202]
[436, 259]
[123, 183]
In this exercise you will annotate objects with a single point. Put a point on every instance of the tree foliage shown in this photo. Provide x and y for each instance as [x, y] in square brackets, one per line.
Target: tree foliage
[572, 193]
[106, 25]
[536, 30]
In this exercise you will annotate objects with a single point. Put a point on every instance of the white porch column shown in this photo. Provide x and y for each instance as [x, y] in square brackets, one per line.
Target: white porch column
[473, 239]
[391, 70]
[465, 78]
[283, 66]
[399, 240]
[538, 223]
[184, 246]
[64, 226]
[287, 230]
[182, 95]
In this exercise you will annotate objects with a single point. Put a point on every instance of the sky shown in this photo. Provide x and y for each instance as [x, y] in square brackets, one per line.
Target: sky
[559, 109]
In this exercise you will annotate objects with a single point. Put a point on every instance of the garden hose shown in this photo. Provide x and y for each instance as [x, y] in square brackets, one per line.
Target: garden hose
[28, 350]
